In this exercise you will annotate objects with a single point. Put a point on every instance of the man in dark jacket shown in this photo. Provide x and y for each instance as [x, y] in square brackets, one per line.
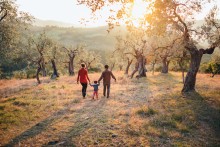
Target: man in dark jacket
[106, 76]
[83, 77]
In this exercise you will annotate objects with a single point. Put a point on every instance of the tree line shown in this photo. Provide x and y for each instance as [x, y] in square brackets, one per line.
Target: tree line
[164, 18]
[32, 55]
[169, 38]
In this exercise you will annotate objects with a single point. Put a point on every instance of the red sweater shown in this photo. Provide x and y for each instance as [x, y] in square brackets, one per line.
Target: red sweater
[83, 76]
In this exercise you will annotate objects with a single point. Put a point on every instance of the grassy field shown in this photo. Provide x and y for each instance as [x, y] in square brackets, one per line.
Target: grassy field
[140, 112]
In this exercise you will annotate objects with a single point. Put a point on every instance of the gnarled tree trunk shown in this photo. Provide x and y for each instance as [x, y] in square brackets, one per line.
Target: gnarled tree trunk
[43, 68]
[38, 71]
[165, 67]
[196, 57]
[55, 73]
[140, 67]
[182, 69]
[71, 65]
[128, 65]
[120, 67]
[153, 67]
[190, 80]
[112, 66]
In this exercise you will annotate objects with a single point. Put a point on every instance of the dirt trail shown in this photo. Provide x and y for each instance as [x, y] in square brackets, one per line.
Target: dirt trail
[89, 122]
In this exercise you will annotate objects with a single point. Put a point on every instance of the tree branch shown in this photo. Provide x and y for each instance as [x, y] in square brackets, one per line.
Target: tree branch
[6, 13]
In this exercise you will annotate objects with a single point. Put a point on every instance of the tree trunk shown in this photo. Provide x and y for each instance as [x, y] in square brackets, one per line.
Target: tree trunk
[71, 66]
[120, 67]
[112, 67]
[88, 66]
[135, 70]
[128, 66]
[55, 73]
[38, 71]
[140, 67]
[44, 73]
[183, 76]
[153, 67]
[182, 69]
[190, 80]
[165, 66]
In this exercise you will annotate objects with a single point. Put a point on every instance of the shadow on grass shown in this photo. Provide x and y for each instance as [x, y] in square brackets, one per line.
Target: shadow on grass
[191, 121]
[80, 125]
[205, 112]
[94, 117]
[38, 128]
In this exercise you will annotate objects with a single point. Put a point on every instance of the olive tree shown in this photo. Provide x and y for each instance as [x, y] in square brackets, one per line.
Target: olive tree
[179, 15]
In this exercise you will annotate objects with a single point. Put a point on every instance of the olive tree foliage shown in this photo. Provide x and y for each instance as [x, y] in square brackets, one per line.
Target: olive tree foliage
[178, 15]
[37, 53]
[55, 56]
[110, 60]
[115, 60]
[13, 25]
[167, 48]
[182, 60]
[214, 65]
[71, 52]
[92, 59]
[134, 45]
[153, 57]
[121, 51]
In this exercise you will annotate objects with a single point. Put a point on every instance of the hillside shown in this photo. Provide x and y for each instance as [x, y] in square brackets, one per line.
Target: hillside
[95, 38]
[44, 23]
[140, 112]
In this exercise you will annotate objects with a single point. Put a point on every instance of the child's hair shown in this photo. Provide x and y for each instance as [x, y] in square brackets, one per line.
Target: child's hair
[95, 82]
[83, 65]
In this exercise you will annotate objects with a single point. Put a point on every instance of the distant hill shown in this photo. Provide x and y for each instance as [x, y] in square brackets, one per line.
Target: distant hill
[44, 23]
[95, 38]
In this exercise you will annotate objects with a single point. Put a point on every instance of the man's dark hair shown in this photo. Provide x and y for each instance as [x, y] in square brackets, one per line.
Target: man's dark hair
[95, 82]
[83, 65]
[106, 66]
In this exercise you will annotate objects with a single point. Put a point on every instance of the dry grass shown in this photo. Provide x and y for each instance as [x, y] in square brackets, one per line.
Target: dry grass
[140, 112]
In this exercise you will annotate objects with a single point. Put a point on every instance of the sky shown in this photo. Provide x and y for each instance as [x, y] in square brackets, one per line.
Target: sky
[59, 10]
[69, 12]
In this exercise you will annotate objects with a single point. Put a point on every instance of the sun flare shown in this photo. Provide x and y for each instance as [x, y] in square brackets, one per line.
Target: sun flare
[139, 9]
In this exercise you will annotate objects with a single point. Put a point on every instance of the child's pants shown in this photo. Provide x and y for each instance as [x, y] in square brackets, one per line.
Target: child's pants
[95, 93]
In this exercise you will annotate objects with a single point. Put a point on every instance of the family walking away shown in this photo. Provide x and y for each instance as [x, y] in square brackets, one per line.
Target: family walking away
[84, 79]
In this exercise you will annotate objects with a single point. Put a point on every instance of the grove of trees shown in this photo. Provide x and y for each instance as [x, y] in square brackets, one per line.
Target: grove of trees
[177, 16]
[168, 35]
[26, 53]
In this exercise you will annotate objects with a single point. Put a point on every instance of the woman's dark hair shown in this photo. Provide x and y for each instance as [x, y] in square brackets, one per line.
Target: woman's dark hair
[95, 82]
[106, 66]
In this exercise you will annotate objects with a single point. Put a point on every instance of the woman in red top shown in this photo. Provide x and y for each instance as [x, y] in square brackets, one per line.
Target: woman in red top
[83, 78]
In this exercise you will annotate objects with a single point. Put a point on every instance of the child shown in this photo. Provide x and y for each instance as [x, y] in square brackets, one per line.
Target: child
[95, 86]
